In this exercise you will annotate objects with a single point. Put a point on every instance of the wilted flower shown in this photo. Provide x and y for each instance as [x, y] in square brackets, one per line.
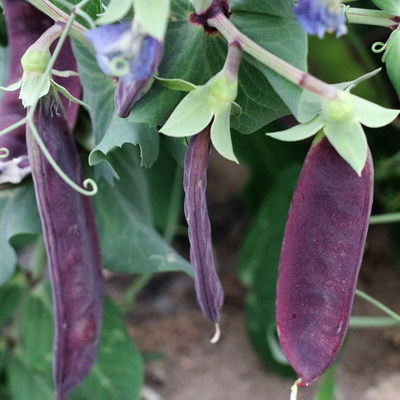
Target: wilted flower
[320, 16]
[124, 51]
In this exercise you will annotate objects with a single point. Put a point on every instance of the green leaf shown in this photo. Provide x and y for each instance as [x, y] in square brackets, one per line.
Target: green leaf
[348, 138]
[99, 94]
[191, 116]
[390, 6]
[118, 371]
[292, 47]
[36, 329]
[26, 385]
[129, 132]
[116, 10]
[18, 216]
[372, 115]
[10, 296]
[129, 242]
[281, 8]
[299, 132]
[153, 15]
[327, 389]
[259, 261]
[221, 134]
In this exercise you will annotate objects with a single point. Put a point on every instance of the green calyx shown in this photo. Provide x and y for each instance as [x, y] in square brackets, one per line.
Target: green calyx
[35, 61]
[220, 92]
[340, 110]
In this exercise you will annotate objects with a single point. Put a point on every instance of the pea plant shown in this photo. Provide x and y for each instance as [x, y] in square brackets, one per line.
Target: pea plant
[108, 116]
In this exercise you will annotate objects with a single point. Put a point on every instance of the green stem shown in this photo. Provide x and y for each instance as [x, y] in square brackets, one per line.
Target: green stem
[300, 78]
[129, 299]
[379, 305]
[77, 30]
[369, 17]
[372, 322]
[385, 218]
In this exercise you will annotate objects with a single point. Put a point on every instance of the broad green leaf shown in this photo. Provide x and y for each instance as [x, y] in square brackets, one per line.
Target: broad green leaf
[299, 132]
[4, 58]
[191, 116]
[390, 6]
[18, 216]
[348, 138]
[129, 242]
[221, 134]
[176, 84]
[292, 47]
[116, 10]
[26, 385]
[107, 126]
[153, 15]
[281, 8]
[10, 296]
[326, 389]
[118, 134]
[118, 371]
[372, 115]
[36, 329]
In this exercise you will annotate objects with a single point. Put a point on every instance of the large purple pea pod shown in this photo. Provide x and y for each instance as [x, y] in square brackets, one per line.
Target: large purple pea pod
[320, 259]
[72, 247]
[209, 291]
[25, 24]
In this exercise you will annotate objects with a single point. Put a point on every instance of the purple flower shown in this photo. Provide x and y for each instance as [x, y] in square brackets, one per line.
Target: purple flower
[320, 16]
[131, 55]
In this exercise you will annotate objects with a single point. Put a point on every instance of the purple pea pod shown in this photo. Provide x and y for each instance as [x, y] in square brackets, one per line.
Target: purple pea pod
[320, 259]
[209, 291]
[72, 246]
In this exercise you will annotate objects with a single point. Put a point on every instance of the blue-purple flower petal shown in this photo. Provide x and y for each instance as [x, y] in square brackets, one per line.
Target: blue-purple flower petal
[320, 16]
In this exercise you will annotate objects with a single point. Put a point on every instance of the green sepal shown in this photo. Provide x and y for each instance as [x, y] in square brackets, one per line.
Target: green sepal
[390, 6]
[176, 84]
[221, 134]
[153, 16]
[348, 138]
[191, 115]
[64, 74]
[34, 86]
[372, 115]
[299, 132]
[116, 10]
[35, 61]
[68, 95]
[11, 88]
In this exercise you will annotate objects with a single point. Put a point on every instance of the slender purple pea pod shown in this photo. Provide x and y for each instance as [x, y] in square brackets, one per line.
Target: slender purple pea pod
[320, 259]
[72, 246]
[209, 290]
